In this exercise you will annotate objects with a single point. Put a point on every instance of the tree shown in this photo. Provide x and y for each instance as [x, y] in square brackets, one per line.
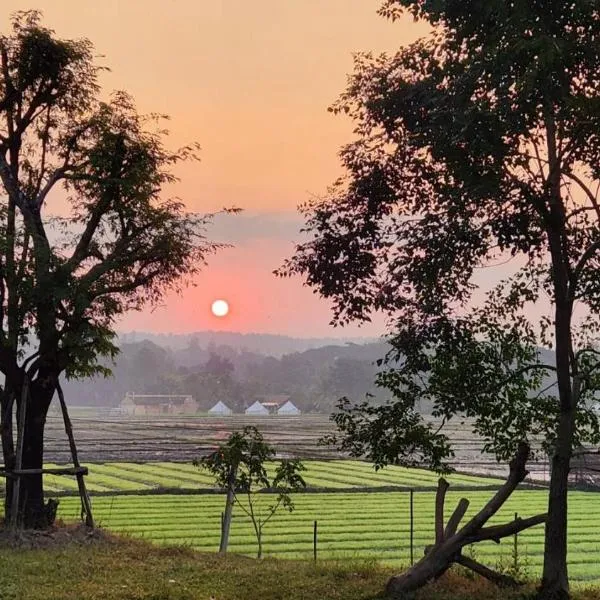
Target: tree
[476, 145]
[64, 280]
[240, 467]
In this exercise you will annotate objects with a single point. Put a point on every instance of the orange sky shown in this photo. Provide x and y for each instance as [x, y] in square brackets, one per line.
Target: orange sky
[250, 81]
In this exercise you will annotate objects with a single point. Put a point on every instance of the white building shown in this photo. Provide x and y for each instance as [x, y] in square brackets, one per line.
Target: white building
[257, 409]
[220, 409]
[289, 408]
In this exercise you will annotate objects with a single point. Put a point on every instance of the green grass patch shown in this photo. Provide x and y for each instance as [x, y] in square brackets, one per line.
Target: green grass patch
[127, 569]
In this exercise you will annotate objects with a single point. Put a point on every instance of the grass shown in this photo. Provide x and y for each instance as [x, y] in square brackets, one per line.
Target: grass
[126, 569]
[350, 525]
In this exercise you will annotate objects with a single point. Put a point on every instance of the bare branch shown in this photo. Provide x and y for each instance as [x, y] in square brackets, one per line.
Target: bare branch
[585, 257]
[440, 497]
[497, 532]
[457, 515]
[497, 578]
[586, 190]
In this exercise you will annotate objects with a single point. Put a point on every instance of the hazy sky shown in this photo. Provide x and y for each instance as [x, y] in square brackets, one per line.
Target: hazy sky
[251, 81]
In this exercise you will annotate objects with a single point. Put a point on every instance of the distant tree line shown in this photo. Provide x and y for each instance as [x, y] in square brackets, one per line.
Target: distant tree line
[315, 379]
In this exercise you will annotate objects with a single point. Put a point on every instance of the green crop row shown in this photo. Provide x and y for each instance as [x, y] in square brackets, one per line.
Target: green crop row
[116, 476]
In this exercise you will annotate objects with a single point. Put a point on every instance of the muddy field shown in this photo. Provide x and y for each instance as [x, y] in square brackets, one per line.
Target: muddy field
[102, 438]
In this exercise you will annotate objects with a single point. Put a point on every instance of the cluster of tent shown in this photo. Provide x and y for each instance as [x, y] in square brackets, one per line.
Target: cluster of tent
[287, 408]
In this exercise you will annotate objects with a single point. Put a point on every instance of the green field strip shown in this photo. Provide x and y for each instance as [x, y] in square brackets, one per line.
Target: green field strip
[332, 474]
[62, 483]
[381, 477]
[409, 474]
[195, 478]
[365, 474]
[150, 474]
[115, 479]
[129, 480]
[325, 475]
[185, 468]
[194, 475]
[360, 474]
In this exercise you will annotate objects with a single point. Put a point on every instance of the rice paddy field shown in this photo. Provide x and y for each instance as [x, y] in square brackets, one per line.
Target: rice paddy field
[143, 485]
[357, 525]
[330, 475]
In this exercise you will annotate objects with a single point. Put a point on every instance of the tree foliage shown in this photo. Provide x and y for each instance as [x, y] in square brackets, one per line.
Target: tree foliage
[476, 145]
[241, 464]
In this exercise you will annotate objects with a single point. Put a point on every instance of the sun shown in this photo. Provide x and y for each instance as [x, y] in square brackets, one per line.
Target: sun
[219, 308]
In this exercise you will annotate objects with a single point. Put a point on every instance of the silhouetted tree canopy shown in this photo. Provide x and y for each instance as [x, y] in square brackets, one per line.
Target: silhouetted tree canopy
[472, 146]
[86, 230]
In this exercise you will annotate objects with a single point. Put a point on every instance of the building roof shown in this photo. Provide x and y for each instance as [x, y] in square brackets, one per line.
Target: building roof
[156, 399]
[274, 399]
[257, 407]
[220, 407]
[289, 406]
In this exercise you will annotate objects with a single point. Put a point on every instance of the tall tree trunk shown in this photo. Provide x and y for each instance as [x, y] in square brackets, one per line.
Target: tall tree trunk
[555, 578]
[555, 581]
[33, 513]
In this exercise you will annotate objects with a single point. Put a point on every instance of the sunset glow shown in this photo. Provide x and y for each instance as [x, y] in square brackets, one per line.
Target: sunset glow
[251, 82]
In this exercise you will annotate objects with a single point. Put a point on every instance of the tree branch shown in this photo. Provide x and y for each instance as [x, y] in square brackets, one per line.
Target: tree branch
[586, 190]
[457, 515]
[516, 474]
[496, 532]
[585, 257]
[495, 577]
[440, 497]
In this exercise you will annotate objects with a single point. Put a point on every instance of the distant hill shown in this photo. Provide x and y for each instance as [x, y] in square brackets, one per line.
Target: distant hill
[261, 343]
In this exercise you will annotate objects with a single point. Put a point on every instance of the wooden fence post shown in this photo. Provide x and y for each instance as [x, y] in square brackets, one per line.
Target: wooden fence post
[412, 527]
[516, 548]
[315, 541]
[16, 499]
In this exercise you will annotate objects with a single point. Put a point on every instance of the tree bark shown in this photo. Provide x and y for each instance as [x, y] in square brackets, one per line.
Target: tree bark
[32, 511]
[555, 579]
[260, 546]
[227, 515]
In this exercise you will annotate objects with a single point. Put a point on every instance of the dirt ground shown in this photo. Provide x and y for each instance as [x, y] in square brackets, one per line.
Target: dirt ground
[58, 535]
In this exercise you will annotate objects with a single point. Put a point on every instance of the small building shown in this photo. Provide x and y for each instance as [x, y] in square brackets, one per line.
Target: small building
[158, 404]
[220, 409]
[257, 409]
[273, 402]
[289, 408]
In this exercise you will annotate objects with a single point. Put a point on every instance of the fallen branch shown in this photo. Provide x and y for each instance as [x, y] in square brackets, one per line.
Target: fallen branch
[493, 576]
[449, 542]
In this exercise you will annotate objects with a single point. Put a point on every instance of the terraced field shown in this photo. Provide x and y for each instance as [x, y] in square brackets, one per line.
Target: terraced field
[338, 474]
[349, 524]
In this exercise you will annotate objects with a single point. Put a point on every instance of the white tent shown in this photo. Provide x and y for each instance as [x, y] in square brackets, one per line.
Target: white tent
[289, 408]
[220, 408]
[257, 409]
